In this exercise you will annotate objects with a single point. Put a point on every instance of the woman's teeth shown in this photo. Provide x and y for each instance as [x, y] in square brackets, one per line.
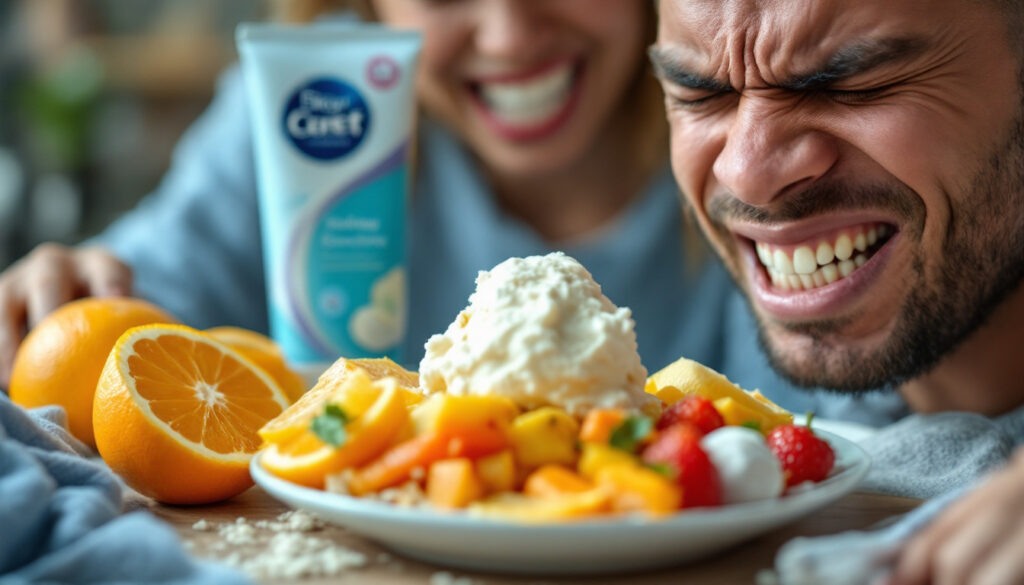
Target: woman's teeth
[809, 266]
[529, 102]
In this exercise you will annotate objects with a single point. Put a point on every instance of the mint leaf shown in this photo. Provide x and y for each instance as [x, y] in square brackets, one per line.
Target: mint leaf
[752, 424]
[663, 469]
[630, 432]
[329, 427]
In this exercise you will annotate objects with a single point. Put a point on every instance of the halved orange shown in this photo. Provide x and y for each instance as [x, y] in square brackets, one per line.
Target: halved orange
[265, 353]
[335, 385]
[307, 460]
[176, 414]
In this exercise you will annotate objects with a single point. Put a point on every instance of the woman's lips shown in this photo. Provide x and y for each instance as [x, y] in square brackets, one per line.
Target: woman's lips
[533, 106]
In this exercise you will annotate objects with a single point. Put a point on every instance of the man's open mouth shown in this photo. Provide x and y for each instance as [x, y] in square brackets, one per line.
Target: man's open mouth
[824, 259]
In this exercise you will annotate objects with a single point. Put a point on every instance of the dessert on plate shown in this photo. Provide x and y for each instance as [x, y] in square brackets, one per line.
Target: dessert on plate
[534, 406]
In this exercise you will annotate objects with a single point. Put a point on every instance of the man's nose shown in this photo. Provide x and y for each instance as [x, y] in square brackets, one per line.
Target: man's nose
[771, 148]
[510, 29]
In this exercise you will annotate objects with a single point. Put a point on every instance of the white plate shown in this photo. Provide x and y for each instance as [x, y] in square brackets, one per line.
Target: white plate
[620, 544]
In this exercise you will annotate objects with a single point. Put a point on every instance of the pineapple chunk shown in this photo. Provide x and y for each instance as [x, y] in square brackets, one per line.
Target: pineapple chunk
[669, 394]
[735, 413]
[545, 435]
[596, 457]
[497, 472]
[684, 377]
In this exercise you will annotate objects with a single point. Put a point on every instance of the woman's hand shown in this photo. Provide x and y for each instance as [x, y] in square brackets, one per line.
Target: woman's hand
[979, 540]
[46, 278]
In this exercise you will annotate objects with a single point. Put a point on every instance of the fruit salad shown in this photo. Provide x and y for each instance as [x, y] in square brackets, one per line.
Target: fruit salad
[516, 415]
[366, 431]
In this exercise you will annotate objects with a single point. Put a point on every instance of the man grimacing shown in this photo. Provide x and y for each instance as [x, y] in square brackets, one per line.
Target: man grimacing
[859, 167]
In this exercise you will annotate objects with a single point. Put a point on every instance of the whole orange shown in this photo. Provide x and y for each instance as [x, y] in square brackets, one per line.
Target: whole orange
[60, 360]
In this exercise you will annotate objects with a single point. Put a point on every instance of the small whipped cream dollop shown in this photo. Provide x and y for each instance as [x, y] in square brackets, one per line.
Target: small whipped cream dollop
[748, 469]
[539, 331]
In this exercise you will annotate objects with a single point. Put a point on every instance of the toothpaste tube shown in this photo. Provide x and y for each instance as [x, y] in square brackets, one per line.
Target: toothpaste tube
[332, 111]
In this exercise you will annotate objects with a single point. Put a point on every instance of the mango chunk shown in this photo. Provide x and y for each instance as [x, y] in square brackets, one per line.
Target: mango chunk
[453, 483]
[635, 488]
[669, 394]
[596, 457]
[546, 435]
[553, 481]
[599, 423]
[497, 472]
[453, 414]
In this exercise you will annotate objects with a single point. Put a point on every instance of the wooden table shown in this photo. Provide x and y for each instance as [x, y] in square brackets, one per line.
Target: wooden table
[738, 565]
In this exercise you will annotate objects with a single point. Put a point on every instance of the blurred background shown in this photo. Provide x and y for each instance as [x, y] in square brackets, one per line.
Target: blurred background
[93, 96]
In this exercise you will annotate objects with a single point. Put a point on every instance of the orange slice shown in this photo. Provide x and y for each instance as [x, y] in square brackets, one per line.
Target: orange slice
[176, 414]
[336, 386]
[306, 460]
[265, 353]
[377, 368]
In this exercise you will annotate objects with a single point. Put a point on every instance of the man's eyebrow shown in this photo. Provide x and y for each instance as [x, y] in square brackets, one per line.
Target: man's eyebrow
[855, 59]
[668, 67]
[844, 63]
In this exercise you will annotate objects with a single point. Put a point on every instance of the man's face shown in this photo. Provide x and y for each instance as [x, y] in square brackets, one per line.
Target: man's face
[859, 166]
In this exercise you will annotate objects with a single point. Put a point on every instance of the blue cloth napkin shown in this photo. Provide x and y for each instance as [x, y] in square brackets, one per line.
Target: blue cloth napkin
[60, 515]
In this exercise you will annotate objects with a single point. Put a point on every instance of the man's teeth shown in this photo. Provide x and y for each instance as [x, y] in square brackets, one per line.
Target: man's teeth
[806, 267]
[529, 102]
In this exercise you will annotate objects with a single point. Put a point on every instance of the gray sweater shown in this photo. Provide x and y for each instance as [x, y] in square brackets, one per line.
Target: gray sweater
[924, 456]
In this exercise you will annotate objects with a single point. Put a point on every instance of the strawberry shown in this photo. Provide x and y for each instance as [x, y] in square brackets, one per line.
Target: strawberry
[694, 409]
[804, 456]
[678, 448]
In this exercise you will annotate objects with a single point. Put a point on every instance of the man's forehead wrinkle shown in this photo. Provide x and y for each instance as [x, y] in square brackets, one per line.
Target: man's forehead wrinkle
[789, 43]
[757, 47]
[736, 38]
[766, 44]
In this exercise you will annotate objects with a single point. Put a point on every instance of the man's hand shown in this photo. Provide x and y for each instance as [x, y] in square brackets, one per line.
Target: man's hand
[46, 278]
[979, 540]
